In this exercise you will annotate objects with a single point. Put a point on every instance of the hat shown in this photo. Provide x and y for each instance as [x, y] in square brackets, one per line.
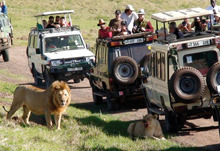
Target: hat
[123, 22]
[117, 12]
[101, 21]
[141, 12]
[197, 18]
[130, 7]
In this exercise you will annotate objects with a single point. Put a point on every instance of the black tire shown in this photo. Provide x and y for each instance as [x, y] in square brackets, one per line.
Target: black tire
[187, 85]
[5, 55]
[213, 77]
[37, 81]
[49, 79]
[172, 124]
[124, 70]
[76, 80]
[113, 105]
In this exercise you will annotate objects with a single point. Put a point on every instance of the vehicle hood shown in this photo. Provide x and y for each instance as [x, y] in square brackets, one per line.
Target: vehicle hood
[69, 54]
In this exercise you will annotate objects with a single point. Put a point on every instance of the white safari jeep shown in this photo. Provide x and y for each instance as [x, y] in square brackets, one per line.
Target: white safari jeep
[58, 53]
[182, 75]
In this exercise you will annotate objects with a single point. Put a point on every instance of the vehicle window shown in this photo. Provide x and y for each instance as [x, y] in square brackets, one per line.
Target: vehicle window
[160, 65]
[35, 41]
[72, 42]
[201, 61]
[31, 41]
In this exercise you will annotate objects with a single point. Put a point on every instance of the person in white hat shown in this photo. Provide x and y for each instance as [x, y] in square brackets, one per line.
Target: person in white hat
[213, 8]
[129, 16]
[217, 20]
[142, 24]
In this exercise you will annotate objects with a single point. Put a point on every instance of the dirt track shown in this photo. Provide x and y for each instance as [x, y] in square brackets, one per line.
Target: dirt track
[197, 133]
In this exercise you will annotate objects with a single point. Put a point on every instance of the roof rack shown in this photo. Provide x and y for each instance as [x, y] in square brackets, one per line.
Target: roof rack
[54, 13]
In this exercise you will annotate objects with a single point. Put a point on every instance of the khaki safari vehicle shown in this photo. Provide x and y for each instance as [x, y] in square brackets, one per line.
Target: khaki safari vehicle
[58, 53]
[182, 76]
[117, 70]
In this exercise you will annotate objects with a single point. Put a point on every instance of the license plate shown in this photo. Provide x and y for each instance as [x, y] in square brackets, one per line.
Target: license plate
[133, 41]
[198, 43]
[75, 69]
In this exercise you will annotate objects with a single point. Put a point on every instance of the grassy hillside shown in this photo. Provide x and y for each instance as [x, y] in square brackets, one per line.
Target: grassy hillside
[87, 12]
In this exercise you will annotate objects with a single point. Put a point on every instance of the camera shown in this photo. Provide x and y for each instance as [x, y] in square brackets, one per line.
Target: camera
[184, 23]
[51, 22]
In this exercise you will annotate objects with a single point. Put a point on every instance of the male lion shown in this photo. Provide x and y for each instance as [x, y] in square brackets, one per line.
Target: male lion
[148, 127]
[53, 100]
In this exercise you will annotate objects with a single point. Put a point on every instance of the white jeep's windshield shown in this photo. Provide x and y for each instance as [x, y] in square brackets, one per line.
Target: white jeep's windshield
[60, 43]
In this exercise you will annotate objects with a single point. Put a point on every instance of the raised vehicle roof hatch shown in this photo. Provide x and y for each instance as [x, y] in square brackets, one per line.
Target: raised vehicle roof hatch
[180, 14]
[54, 13]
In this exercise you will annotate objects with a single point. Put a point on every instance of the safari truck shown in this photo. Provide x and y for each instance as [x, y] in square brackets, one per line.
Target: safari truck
[58, 53]
[182, 76]
[117, 69]
[6, 37]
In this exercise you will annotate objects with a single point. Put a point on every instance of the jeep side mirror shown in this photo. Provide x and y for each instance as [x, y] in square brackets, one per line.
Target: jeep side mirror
[37, 50]
[88, 46]
[145, 71]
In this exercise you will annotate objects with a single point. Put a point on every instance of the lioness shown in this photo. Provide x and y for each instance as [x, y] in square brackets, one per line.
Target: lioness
[53, 100]
[148, 127]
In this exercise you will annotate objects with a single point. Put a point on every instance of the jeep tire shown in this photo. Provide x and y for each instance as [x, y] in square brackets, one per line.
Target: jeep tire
[5, 55]
[113, 105]
[124, 70]
[37, 81]
[213, 77]
[49, 79]
[187, 85]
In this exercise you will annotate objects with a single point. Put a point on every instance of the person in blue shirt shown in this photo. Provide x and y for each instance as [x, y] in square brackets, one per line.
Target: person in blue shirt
[4, 8]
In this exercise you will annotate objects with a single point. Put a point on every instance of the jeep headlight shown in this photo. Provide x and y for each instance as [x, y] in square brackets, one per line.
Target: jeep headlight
[55, 62]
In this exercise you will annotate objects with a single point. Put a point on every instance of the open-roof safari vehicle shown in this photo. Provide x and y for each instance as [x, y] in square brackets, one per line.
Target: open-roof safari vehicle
[183, 75]
[58, 53]
[6, 37]
[117, 70]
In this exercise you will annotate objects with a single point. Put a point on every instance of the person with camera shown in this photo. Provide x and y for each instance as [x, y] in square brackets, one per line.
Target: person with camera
[213, 8]
[115, 24]
[51, 23]
[142, 24]
[199, 24]
[124, 29]
[185, 26]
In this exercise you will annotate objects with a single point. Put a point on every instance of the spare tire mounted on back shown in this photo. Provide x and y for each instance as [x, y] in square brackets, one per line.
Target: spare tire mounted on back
[124, 70]
[187, 85]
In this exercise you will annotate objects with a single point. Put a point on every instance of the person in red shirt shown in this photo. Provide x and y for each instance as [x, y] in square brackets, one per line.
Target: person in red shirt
[103, 31]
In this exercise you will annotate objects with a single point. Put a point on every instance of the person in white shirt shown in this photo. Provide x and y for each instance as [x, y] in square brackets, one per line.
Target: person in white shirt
[129, 16]
[214, 8]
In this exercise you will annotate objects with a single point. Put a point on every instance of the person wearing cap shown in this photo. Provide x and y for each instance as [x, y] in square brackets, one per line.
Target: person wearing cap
[103, 31]
[51, 23]
[185, 26]
[142, 24]
[4, 8]
[129, 16]
[124, 29]
[115, 24]
[217, 20]
[174, 30]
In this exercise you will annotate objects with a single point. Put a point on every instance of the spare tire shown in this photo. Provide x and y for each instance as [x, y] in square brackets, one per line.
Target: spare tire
[124, 70]
[213, 77]
[187, 85]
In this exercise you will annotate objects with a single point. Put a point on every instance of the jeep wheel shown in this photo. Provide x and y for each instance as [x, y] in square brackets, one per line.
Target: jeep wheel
[172, 125]
[213, 77]
[112, 104]
[49, 79]
[37, 81]
[5, 55]
[187, 85]
[124, 70]
[76, 80]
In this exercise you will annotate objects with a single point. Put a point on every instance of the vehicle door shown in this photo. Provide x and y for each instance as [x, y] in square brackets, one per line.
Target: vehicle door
[34, 54]
[158, 85]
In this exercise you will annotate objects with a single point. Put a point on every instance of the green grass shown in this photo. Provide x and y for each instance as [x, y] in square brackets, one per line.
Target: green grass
[81, 130]
[87, 13]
